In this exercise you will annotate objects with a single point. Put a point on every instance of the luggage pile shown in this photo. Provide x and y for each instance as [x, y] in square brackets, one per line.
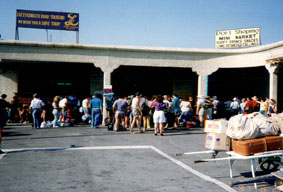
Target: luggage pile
[216, 138]
[255, 133]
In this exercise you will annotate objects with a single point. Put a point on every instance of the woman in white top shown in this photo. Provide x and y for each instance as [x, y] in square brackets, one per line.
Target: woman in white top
[186, 109]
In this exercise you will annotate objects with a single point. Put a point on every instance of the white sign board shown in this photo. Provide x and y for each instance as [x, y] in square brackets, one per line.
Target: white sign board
[108, 87]
[237, 38]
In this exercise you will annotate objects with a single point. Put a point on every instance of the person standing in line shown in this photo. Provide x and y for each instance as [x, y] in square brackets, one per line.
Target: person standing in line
[136, 112]
[208, 108]
[85, 105]
[109, 108]
[119, 110]
[15, 108]
[128, 112]
[176, 106]
[200, 111]
[3, 116]
[186, 109]
[158, 115]
[56, 110]
[167, 115]
[272, 109]
[234, 107]
[215, 103]
[242, 105]
[145, 110]
[96, 110]
[248, 108]
[35, 107]
[63, 104]
[256, 104]
[263, 106]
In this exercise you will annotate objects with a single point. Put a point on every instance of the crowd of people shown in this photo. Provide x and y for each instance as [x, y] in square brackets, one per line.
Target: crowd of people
[165, 111]
[160, 112]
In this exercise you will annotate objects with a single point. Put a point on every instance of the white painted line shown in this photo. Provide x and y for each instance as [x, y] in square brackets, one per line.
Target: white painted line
[112, 147]
[197, 173]
[2, 155]
[78, 148]
[181, 164]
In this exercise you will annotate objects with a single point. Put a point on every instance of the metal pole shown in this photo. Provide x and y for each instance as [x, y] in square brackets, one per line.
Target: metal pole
[77, 37]
[17, 34]
[47, 35]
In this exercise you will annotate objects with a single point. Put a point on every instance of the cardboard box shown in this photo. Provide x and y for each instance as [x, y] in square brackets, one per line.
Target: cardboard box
[215, 126]
[217, 141]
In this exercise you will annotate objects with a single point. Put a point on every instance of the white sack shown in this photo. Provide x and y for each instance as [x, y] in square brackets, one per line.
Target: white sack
[278, 121]
[250, 126]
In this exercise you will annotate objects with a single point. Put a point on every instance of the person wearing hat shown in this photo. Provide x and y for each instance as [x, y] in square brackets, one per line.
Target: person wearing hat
[234, 107]
[35, 107]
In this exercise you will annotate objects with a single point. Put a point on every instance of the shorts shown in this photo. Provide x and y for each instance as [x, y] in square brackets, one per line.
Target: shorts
[159, 117]
[119, 115]
[136, 113]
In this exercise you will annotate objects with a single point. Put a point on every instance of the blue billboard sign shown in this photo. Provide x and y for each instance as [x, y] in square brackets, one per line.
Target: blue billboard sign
[47, 20]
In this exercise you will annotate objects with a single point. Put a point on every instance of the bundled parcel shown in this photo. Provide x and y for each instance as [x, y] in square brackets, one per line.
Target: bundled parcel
[255, 133]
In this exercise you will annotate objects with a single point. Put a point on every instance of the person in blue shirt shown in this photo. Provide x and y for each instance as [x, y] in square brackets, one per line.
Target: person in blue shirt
[176, 106]
[96, 109]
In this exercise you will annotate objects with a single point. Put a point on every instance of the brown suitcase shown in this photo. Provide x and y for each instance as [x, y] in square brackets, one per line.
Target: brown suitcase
[252, 146]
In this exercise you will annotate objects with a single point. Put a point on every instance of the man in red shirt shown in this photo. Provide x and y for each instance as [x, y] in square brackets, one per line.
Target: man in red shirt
[248, 108]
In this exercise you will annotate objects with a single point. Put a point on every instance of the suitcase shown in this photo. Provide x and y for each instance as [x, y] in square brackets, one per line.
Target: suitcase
[252, 146]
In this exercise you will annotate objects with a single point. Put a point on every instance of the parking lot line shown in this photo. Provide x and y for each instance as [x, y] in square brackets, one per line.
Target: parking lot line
[165, 155]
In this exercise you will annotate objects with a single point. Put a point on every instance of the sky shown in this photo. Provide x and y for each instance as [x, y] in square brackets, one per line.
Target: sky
[154, 23]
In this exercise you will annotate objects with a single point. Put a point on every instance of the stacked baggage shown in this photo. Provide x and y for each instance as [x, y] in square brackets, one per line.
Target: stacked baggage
[259, 145]
[216, 138]
[253, 134]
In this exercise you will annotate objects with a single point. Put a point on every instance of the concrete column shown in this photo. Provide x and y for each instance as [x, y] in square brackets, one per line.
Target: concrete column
[203, 85]
[106, 82]
[106, 78]
[8, 83]
[203, 73]
[107, 69]
[273, 81]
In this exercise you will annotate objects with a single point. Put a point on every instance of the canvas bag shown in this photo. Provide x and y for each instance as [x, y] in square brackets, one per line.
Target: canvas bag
[250, 126]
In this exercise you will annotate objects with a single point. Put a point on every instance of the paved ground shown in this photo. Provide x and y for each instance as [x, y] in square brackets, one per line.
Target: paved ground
[83, 159]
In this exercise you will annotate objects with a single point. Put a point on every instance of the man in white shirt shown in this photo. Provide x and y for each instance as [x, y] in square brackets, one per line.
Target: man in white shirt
[234, 107]
[35, 106]
[63, 103]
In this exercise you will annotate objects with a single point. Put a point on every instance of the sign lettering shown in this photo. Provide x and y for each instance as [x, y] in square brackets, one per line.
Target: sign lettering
[47, 20]
[237, 38]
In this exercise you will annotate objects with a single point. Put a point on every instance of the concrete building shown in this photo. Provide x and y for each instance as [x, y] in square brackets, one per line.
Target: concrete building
[58, 69]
